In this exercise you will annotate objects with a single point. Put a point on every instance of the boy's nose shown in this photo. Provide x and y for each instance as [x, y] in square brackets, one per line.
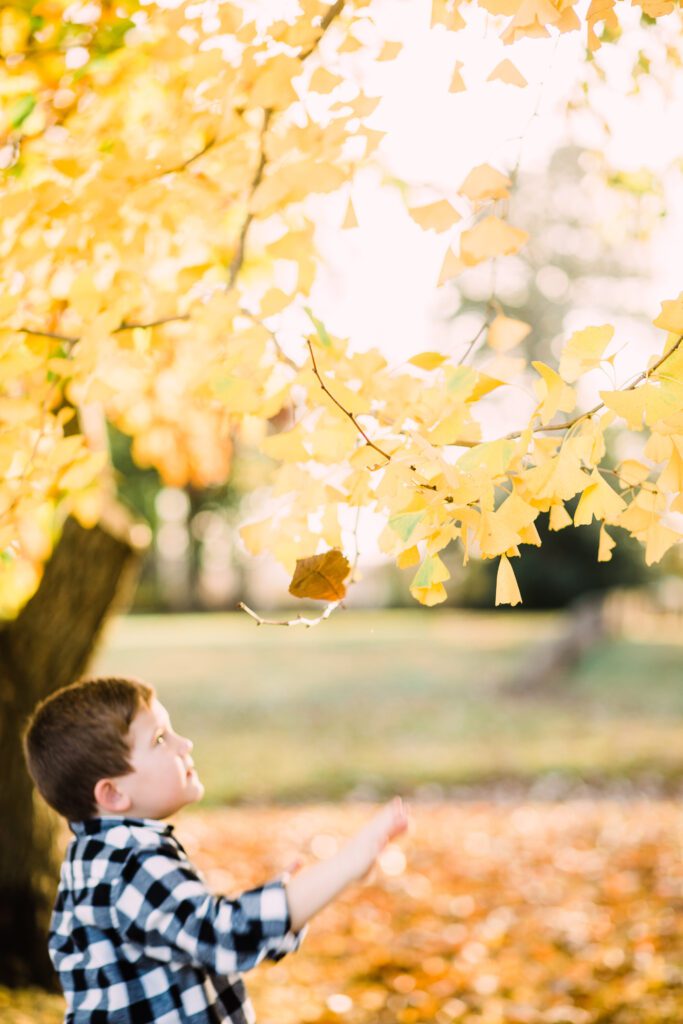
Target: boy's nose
[186, 744]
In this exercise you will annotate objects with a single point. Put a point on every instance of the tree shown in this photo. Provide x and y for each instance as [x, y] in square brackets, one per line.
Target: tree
[158, 242]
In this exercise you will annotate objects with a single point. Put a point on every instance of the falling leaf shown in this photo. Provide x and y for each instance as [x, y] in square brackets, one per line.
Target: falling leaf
[321, 577]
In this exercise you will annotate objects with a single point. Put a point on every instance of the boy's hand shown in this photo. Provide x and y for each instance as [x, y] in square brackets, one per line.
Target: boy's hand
[313, 888]
[364, 848]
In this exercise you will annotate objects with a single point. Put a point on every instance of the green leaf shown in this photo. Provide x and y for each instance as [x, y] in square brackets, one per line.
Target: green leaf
[320, 329]
[404, 523]
[425, 574]
[21, 110]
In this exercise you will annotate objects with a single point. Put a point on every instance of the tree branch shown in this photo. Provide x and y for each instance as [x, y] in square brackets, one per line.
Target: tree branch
[298, 621]
[341, 407]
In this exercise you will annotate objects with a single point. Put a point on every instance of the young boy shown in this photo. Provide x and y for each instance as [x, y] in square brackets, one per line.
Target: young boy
[135, 935]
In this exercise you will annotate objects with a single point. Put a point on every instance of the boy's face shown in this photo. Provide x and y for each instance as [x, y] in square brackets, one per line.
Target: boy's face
[163, 778]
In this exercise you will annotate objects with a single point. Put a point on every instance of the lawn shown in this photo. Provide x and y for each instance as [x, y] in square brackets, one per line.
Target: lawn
[371, 703]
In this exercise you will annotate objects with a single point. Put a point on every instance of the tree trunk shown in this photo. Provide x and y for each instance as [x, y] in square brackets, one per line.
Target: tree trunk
[46, 647]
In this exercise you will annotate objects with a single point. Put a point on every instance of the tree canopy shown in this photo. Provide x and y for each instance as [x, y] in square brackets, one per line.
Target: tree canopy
[158, 163]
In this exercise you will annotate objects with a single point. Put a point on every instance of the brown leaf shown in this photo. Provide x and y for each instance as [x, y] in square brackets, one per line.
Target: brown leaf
[321, 577]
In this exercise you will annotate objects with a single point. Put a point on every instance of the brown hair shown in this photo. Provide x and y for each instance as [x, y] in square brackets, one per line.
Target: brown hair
[77, 736]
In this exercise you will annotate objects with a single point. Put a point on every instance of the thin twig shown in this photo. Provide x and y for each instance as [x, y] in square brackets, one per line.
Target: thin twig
[298, 621]
[340, 406]
[584, 415]
[125, 326]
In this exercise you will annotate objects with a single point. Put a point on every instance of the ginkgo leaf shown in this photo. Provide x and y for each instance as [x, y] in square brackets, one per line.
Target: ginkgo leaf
[552, 392]
[671, 477]
[427, 360]
[485, 182]
[427, 585]
[559, 517]
[451, 267]
[390, 50]
[350, 218]
[408, 558]
[507, 72]
[439, 216]
[671, 316]
[631, 472]
[457, 81]
[505, 333]
[584, 351]
[606, 545]
[324, 81]
[489, 238]
[598, 500]
[321, 577]
[404, 523]
[507, 590]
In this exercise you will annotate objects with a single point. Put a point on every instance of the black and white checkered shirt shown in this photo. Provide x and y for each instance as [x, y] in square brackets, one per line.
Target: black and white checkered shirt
[137, 938]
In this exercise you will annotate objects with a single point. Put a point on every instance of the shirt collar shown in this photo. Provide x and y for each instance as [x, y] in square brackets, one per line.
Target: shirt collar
[94, 826]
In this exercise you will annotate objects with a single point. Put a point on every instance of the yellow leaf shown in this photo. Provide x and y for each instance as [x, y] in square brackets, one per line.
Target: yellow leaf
[507, 591]
[321, 577]
[671, 316]
[552, 393]
[447, 15]
[324, 81]
[439, 216]
[257, 536]
[631, 472]
[427, 360]
[490, 237]
[457, 81]
[389, 51]
[82, 472]
[531, 19]
[671, 478]
[559, 518]
[451, 267]
[274, 301]
[507, 72]
[485, 182]
[408, 558]
[273, 86]
[350, 219]
[429, 596]
[287, 446]
[659, 539]
[584, 351]
[598, 500]
[505, 333]
[606, 545]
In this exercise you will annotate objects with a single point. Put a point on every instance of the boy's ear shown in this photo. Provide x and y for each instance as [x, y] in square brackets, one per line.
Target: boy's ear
[109, 797]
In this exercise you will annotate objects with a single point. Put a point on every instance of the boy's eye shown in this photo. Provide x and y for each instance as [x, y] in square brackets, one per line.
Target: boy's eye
[159, 738]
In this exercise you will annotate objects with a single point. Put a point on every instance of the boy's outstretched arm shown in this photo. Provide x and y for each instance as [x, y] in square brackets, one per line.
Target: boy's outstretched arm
[313, 888]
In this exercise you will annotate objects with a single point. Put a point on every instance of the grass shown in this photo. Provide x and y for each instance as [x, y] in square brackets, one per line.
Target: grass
[378, 702]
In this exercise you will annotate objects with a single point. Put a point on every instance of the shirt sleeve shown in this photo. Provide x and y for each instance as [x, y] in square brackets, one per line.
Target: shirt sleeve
[162, 905]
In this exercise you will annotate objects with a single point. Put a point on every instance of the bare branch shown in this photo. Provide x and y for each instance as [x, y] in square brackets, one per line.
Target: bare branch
[340, 406]
[298, 621]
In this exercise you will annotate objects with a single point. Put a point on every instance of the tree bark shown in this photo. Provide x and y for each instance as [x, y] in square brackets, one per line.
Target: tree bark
[46, 647]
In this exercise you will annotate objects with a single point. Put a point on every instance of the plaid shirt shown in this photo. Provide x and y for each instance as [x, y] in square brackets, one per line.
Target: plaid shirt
[138, 939]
